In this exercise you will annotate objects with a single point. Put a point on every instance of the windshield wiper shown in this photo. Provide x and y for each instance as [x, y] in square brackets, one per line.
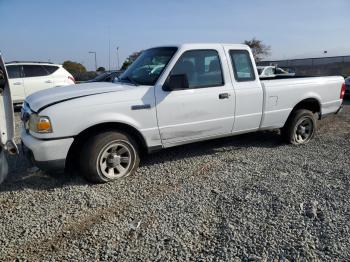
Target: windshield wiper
[130, 80]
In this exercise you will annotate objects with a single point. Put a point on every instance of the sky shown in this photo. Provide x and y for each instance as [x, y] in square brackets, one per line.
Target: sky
[59, 30]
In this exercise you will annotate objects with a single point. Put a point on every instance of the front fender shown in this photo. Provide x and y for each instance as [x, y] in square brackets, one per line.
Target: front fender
[107, 118]
[71, 122]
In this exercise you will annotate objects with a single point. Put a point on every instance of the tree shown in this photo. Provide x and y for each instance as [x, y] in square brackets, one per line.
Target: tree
[125, 64]
[130, 59]
[101, 69]
[74, 68]
[260, 50]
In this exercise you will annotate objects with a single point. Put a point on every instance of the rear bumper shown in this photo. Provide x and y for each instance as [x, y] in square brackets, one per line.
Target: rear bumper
[332, 113]
[49, 155]
[339, 109]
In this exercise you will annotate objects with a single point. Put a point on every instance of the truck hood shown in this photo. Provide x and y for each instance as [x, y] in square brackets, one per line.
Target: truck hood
[42, 99]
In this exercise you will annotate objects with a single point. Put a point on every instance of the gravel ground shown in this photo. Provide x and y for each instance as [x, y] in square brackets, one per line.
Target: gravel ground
[249, 197]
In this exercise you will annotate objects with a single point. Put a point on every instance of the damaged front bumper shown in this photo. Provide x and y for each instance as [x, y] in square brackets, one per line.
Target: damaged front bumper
[48, 155]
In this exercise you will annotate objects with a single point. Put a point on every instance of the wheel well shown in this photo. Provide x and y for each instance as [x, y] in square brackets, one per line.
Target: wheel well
[84, 135]
[311, 104]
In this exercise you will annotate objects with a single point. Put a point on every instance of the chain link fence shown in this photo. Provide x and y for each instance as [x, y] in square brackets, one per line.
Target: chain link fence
[323, 66]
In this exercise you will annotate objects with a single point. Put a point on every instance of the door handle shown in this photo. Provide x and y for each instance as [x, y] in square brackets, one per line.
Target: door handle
[224, 96]
[48, 81]
[17, 83]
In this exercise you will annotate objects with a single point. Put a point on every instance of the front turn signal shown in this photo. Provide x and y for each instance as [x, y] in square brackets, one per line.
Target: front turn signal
[40, 124]
[44, 125]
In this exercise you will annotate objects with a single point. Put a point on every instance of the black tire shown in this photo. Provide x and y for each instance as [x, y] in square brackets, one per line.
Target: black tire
[96, 162]
[300, 127]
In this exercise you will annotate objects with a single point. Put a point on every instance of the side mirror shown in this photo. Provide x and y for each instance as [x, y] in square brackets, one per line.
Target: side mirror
[176, 82]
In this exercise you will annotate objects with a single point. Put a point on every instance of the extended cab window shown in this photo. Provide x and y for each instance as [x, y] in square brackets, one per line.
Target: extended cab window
[242, 65]
[14, 71]
[34, 70]
[202, 68]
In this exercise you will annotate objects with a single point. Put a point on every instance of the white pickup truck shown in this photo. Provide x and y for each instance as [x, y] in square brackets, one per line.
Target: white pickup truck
[170, 96]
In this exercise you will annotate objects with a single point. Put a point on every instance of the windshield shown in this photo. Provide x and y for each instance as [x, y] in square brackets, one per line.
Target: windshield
[147, 68]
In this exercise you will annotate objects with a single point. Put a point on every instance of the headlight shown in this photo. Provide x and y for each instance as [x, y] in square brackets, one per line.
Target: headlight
[40, 124]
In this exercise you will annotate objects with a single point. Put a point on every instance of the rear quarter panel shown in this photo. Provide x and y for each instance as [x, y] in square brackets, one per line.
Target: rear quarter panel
[281, 96]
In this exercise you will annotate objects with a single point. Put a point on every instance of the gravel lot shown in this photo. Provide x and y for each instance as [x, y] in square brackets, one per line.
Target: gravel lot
[249, 197]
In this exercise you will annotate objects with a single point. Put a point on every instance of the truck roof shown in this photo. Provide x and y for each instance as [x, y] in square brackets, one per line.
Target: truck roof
[203, 45]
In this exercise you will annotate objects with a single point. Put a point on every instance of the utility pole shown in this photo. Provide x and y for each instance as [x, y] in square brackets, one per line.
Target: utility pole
[94, 52]
[109, 49]
[118, 68]
[109, 55]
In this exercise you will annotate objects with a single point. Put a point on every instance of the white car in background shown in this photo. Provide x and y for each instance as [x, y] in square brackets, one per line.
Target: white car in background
[26, 78]
[272, 71]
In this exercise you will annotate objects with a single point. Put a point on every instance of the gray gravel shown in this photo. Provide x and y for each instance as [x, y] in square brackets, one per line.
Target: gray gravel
[250, 198]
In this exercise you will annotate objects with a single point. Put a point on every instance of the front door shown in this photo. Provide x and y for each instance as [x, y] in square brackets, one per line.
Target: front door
[36, 78]
[206, 108]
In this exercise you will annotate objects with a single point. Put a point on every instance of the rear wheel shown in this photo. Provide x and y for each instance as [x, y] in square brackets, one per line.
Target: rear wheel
[300, 127]
[109, 156]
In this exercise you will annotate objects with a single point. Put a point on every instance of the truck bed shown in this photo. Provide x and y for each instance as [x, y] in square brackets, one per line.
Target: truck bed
[283, 93]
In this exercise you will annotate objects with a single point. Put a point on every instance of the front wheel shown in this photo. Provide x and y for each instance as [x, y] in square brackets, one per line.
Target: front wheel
[109, 156]
[300, 127]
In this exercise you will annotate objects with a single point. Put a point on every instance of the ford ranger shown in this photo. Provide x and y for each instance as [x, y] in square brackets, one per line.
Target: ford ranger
[170, 96]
